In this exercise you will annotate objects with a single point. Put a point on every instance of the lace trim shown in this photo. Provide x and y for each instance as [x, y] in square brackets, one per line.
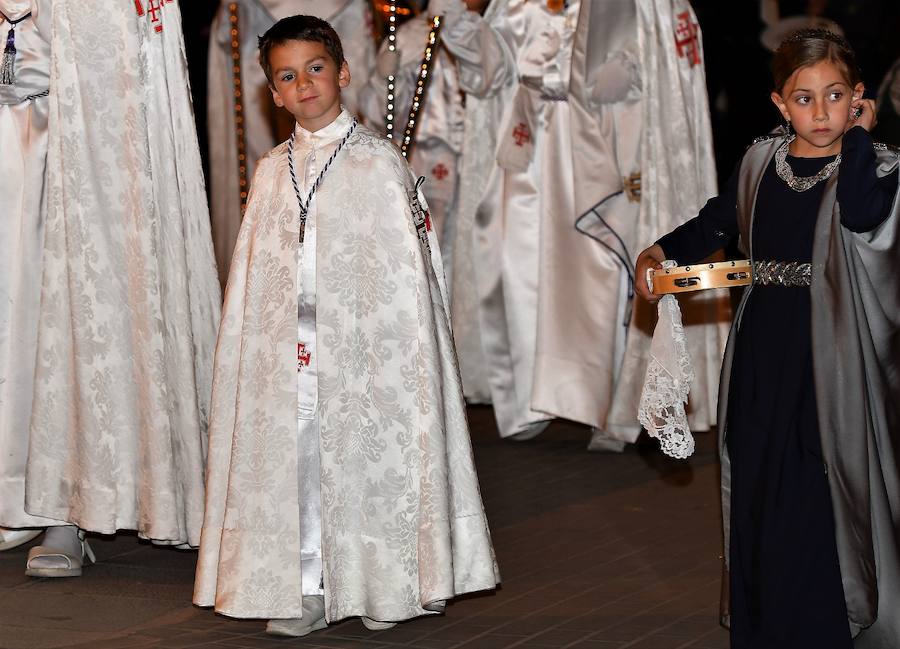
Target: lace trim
[667, 383]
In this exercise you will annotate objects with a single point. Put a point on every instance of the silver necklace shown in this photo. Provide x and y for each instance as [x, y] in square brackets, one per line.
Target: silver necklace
[801, 184]
[304, 205]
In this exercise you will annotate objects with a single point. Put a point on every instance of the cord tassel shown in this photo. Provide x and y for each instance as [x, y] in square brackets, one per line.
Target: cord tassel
[7, 67]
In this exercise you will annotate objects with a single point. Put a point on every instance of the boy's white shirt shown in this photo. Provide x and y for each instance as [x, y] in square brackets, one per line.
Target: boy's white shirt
[403, 526]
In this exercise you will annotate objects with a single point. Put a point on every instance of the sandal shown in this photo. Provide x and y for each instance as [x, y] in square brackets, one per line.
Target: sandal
[62, 555]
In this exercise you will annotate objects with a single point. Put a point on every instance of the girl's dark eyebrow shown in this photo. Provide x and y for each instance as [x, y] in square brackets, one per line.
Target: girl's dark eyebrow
[833, 83]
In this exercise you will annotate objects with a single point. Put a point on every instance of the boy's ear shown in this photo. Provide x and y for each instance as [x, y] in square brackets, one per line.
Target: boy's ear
[276, 97]
[344, 75]
[780, 105]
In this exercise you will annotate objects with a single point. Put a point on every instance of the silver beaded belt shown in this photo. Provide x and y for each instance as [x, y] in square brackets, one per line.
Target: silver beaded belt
[782, 273]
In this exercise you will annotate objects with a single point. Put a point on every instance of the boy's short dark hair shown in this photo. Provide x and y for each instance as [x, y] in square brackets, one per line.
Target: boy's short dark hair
[299, 28]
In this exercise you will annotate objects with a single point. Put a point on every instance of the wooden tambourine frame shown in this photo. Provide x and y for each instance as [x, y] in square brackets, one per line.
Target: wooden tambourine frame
[698, 277]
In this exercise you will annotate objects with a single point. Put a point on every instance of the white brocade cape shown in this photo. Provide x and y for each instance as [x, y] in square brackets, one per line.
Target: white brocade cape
[403, 524]
[130, 299]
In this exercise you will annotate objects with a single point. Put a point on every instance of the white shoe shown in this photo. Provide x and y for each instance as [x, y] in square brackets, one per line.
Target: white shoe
[375, 625]
[10, 539]
[313, 619]
[62, 554]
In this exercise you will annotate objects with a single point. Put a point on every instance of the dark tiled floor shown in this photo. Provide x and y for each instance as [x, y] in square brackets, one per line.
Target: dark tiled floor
[596, 551]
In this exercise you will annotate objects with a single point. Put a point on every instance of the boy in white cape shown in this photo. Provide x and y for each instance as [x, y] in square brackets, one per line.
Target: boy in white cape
[341, 482]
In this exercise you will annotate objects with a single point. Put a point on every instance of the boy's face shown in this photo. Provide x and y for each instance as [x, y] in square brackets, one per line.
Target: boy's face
[307, 82]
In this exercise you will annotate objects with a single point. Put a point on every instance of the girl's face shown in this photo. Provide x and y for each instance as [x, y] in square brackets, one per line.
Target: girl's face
[816, 100]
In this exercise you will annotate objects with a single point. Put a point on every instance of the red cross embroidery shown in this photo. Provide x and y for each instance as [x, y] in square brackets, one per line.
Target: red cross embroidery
[686, 40]
[303, 357]
[440, 171]
[428, 221]
[521, 134]
[154, 7]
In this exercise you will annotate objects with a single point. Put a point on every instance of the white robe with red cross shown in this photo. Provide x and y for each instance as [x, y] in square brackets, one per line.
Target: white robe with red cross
[130, 301]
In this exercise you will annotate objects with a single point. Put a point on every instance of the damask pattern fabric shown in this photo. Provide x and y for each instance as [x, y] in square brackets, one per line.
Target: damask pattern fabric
[403, 525]
[130, 299]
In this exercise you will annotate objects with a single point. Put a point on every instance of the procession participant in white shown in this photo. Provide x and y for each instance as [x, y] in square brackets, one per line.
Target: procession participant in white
[440, 121]
[644, 160]
[520, 51]
[437, 153]
[262, 126]
[24, 84]
[368, 505]
[129, 297]
[485, 102]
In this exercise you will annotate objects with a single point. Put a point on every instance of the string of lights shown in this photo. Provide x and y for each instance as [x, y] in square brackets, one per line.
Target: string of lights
[392, 47]
[238, 101]
[421, 86]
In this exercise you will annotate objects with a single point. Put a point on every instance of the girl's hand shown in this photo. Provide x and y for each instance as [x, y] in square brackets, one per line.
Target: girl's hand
[864, 112]
[652, 257]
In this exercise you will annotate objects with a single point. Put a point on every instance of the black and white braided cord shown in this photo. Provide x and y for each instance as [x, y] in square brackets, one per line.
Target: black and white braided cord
[304, 206]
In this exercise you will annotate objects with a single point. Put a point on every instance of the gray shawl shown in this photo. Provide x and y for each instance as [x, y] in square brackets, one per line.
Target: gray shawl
[856, 347]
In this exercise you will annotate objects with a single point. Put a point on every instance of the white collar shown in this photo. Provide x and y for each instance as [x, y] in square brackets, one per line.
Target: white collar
[325, 135]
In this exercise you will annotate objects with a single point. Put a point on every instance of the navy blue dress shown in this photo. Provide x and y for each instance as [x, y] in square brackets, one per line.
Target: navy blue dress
[786, 590]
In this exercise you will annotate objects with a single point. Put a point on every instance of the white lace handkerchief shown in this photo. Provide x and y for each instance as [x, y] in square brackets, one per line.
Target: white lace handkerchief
[667, 383]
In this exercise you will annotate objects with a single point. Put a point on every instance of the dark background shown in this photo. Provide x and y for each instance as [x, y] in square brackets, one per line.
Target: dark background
[737, 65]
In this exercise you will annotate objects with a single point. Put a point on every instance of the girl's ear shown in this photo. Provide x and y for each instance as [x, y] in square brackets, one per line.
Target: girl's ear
[781, 106]
[858, 91]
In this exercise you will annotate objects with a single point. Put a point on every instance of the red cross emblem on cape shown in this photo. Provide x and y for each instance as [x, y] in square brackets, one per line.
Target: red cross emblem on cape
[440, 171]
[303, 357]
[521, 134]
[153, 9]
[687, 41]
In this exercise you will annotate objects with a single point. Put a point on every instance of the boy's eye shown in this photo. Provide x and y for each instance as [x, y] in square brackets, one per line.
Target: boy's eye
[317, 68]
[287, 76]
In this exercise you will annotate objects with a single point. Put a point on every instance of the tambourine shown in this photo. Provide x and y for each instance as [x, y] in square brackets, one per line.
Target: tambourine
[697, 277]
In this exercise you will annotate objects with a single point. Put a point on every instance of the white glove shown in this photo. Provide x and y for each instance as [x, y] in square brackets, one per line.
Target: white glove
[446, 8]
[388, 63]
